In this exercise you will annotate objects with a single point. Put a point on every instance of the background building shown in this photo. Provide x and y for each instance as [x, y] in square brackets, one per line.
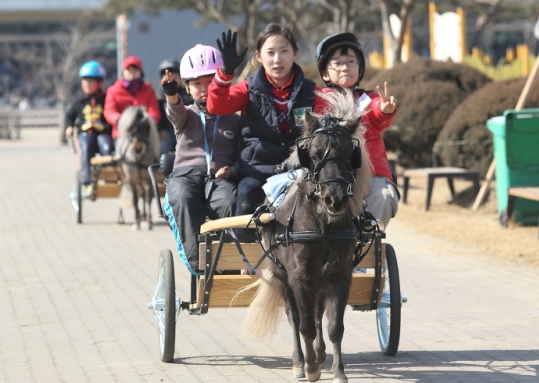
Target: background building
[34, 36]
[165, 34]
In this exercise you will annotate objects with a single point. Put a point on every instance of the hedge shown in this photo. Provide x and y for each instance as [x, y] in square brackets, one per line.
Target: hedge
[468, 123]
[427, 92]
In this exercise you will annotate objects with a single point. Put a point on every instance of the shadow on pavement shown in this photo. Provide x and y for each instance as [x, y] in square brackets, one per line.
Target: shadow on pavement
[416, 366]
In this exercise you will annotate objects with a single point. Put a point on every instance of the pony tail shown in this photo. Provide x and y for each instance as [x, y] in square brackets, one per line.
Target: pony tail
[265, 310]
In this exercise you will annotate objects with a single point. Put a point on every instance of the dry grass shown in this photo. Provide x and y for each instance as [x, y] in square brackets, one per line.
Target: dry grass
[454, 220]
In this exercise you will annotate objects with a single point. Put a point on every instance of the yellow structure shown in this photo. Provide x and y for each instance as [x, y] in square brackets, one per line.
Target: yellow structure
[512, 66]
[462, 50]
[517, 63]
[383, 60]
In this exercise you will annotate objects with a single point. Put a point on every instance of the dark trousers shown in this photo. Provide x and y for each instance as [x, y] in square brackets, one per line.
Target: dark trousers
[90, 144]
[186, 196]
[250, 194]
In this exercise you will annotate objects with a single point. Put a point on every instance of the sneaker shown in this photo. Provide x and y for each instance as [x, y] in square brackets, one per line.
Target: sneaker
[87, 191]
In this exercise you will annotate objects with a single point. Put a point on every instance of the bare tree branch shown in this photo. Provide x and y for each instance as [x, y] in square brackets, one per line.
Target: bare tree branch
[406, 10]
[484, 18]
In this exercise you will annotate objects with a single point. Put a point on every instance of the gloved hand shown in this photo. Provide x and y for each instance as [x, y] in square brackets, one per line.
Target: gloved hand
[231, 59]
[170, 88]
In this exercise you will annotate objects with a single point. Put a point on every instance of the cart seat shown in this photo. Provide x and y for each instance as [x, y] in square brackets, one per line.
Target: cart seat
[104, 160]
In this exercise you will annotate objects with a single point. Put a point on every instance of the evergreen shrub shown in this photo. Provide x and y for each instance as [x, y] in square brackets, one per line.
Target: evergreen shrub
[468, 123]
[427, 92]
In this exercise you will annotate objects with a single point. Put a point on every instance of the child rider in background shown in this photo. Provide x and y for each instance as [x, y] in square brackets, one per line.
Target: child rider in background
[86, 115]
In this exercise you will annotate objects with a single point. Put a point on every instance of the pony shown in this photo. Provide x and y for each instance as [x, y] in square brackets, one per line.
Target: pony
[138, 147]
[310, 244]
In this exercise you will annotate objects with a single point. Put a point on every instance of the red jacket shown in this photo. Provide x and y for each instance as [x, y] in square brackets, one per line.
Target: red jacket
[118, 98]
[375, 123]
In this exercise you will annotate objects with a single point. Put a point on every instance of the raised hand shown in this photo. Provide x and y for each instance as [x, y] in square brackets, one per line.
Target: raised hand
[388, 103]
[169, 84]
[227, 47]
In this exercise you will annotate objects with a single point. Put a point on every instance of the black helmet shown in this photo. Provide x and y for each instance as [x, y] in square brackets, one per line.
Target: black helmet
[339, 40]
[169, 64]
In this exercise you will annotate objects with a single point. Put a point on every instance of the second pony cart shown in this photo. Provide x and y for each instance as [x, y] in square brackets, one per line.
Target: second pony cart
[137, 147]
[310, 242]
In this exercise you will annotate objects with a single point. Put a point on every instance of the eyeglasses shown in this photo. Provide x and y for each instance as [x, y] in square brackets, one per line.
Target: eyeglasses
[337, 65]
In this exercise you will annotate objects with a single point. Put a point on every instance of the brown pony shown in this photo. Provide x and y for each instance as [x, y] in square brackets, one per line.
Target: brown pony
[137, 147]
[313, 238]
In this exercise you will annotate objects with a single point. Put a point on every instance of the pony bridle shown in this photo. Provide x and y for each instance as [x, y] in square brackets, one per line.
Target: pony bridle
[330, 127]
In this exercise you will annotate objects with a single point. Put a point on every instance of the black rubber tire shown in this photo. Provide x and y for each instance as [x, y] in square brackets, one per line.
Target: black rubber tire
[169, 338]
[79, 198]
[395, 304]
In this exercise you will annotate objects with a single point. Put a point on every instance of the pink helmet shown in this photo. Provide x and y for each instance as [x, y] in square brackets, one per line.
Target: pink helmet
[200, 61]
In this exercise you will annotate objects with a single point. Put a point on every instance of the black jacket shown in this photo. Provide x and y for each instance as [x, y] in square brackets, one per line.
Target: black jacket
[265, 145]
[87, 113]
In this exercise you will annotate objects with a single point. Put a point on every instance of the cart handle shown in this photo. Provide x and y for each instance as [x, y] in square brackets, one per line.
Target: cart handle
[151, 171]
[240, 221]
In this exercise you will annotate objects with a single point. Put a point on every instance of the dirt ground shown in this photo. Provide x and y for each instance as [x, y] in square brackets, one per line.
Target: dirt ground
[455, 220]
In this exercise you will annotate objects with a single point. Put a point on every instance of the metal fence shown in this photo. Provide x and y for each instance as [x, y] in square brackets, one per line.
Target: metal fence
[13, 120]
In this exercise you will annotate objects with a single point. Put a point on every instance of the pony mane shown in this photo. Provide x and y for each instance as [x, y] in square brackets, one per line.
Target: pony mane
[128, 117]
[341, 105]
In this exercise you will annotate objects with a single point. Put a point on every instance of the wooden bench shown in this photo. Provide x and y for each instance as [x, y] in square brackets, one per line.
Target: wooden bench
[432, 173]
[526, 192]
[225, 287]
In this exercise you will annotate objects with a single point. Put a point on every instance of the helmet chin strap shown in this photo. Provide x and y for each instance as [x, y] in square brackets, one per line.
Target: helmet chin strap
[201, 103]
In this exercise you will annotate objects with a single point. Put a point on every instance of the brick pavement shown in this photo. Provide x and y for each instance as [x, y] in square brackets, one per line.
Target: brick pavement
[73, 301]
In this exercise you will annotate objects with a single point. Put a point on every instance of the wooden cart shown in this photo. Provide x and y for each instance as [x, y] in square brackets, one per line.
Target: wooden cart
[106, 180]
[377, 287]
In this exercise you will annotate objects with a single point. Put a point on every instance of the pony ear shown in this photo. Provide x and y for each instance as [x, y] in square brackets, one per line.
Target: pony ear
[311, 123]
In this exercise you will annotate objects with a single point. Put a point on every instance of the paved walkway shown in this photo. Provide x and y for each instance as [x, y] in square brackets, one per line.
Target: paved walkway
[73, 301]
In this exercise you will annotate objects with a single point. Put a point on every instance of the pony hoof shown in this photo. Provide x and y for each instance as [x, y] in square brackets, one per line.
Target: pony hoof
[146, 226]
[321, 359]
[340, 380]
[135, 227]
[298, 372]
[314, 376]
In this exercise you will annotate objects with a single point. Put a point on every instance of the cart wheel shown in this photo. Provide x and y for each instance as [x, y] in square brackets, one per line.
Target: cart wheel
[166, 306]
[388, 314]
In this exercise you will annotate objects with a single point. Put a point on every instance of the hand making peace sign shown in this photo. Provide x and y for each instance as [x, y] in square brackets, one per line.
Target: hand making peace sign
[388, 103]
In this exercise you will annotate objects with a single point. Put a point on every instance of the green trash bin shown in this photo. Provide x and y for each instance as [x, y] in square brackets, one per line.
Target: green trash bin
[516, 150]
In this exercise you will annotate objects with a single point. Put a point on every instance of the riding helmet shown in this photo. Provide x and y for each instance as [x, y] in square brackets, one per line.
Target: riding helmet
[337, 40]
[199, 61]
[170, 64]
[92, 69]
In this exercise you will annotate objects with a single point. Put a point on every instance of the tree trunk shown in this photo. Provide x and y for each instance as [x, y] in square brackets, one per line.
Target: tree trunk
[481, 22]
[62, 109]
